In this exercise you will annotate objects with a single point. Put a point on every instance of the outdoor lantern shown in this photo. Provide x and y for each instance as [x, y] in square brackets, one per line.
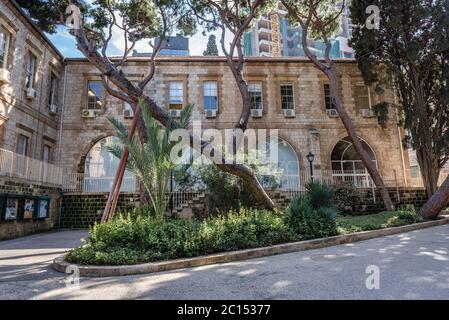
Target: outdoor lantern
[310, 157]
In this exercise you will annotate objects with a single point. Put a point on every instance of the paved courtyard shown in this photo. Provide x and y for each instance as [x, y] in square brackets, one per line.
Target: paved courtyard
[414, 265]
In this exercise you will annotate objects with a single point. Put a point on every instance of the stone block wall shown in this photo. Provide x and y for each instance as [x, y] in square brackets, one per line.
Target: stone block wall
[83, 210]
[18, 228]
[79, 211]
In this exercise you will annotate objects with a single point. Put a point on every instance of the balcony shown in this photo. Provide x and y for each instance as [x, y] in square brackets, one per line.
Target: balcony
[17, 166]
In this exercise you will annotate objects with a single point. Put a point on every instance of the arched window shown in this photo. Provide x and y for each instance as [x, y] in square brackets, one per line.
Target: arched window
[287, 166]
[100, 169]
[347, 164]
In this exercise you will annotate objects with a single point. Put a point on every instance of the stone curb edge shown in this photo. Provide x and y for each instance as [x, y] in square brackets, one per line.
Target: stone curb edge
[59, 264]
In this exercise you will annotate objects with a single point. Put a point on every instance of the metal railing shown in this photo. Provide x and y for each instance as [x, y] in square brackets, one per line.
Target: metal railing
[15, 165]
[78, 182]
[418, 181]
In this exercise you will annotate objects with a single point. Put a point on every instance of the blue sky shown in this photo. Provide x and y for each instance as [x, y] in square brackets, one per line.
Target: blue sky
[67, 45]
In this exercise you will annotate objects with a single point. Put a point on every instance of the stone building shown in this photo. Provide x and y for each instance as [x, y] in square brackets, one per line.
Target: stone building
[31, 71]
[54, 127]
[293, 98]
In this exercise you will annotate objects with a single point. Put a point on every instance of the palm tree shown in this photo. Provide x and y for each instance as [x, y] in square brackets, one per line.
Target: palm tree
[150, 162]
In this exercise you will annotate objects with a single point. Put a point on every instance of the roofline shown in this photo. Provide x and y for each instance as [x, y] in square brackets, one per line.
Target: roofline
[36, 28]
[216, 59]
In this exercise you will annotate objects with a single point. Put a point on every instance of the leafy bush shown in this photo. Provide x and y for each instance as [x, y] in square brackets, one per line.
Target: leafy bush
[312, 215]
[129, 241]
[225, 191]
[347, 198]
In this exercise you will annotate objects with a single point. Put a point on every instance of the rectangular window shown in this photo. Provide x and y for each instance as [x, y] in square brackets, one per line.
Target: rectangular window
[210, 95]
[176, 95]
[46, 153]
[95, 95]
[4, 46]
[255, 93]
[362, 97]
[287, 96]
[53, 90]
[22, 146]
[327, 97]
[30, 70]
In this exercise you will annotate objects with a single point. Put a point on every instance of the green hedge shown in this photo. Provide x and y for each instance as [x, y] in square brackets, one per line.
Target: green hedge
[129, 241]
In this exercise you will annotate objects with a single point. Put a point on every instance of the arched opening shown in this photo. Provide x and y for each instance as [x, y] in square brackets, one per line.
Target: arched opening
[100, 168]
[347, 166]
[287, 169]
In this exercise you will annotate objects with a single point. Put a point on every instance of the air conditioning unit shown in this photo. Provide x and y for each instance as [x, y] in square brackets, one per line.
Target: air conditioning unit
[5, 76]
[174, 113]
[367, 113]
[256, 113]
[53, 109]
[332, 113]
[289, 113]
[211, 113]
[31, 94]
[128, 114]
[88, 113]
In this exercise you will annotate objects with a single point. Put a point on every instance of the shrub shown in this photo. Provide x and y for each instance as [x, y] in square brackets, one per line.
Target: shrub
[319, 195]
[312, 215]
[347, 198]
[225, 191]
[128, 240]
[309, 223]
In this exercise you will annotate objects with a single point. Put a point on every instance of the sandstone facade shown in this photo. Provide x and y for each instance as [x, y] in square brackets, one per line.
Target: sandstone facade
[311, 130]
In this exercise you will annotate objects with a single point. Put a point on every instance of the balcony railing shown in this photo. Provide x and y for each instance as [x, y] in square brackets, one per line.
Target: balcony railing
[418, 182]
[17, 166]
[78, 182]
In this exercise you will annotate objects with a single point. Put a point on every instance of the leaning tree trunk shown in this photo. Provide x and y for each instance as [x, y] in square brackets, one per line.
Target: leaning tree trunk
[349, 126]
[429, 170]
[437, 203]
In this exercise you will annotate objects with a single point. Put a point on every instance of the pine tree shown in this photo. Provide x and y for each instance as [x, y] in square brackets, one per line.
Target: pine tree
[212, 49]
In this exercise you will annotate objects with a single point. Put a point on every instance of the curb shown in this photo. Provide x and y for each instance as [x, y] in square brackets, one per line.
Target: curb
[59, 264]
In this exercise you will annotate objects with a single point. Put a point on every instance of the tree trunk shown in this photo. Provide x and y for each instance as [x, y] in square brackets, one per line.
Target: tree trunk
[349, 126]
[430, 171]
[437, 202]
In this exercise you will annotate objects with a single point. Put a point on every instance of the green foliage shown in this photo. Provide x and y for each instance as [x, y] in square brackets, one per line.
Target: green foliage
[381, 220]
[151, 162]
[128, 240]
[324, 23]
[225, 191]
[137, 238]
[312, 214]
[381, 112]
[212, 49]
[319, 195]
[410, 53]
[142, 19]
[347, 198]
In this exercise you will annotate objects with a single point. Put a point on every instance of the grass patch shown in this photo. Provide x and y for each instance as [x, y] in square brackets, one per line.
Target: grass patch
[351, 224]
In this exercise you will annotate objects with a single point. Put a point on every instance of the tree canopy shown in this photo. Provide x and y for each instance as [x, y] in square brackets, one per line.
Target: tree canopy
[212, 49]
[409, 52]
